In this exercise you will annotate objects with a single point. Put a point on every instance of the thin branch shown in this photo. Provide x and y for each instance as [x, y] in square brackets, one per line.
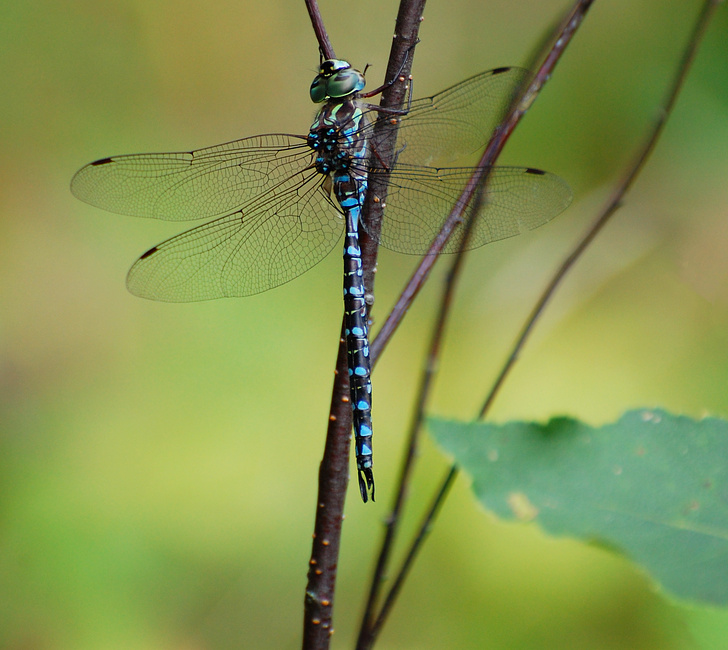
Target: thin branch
[491, 153]
[317, 22]
[414, 549]
[472, 197]
[394, 94]
[609, 209]
[614, 202]
[333, 481]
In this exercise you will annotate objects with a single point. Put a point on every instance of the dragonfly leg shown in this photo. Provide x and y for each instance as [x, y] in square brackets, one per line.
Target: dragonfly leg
[387, 84]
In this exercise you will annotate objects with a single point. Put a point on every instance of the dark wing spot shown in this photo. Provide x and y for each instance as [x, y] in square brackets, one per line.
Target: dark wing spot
[536, 172]
[103, 161]
[500, 70]
[151, 251]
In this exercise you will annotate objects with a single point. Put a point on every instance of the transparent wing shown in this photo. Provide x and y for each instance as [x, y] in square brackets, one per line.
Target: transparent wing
[454, 123]
[420, 198]
[266, 243]
[195, 184]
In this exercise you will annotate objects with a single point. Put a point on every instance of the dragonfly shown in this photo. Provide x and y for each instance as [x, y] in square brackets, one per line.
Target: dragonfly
[277, 204]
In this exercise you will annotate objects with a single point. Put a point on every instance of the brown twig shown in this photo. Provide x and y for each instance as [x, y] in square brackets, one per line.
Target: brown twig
[495, 146]
[317, 22]
[610, 208]
[472, 196]
[614, 202]
[333, 481]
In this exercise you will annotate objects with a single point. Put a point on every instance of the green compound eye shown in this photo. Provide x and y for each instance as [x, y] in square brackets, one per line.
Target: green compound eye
[336, 79]
[345, 82]
[318, 89]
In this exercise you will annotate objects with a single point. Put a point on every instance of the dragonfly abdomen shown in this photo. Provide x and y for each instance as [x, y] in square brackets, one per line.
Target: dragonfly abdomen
[350, 191]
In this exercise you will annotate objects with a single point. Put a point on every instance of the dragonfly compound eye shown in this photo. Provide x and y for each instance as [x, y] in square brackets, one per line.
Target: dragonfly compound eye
[345, 83]
[336, 79]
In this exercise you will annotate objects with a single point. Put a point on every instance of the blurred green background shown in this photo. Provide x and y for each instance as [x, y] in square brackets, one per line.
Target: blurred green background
[159, 461]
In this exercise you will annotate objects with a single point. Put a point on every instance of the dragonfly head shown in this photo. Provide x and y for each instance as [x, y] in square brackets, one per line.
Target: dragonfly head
[336, 79]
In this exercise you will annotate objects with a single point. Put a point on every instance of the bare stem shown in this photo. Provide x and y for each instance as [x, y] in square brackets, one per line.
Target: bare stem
[614, 201]
[333, 481]
[317, 22]
[472, 196]
[609, 209]
[491, 153]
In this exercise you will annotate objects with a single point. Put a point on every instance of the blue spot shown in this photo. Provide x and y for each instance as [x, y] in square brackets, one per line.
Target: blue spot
[360, 372]
[365, 350]
[354, 251]
[365, 431]
[347, 331]
[362, 405]
[350, 372]
[357, 331]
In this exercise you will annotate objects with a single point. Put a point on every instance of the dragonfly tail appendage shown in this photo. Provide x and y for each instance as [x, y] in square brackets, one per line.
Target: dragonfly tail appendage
[366, 483]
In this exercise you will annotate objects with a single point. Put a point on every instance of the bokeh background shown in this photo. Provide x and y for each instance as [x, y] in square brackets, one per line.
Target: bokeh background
[159, 462]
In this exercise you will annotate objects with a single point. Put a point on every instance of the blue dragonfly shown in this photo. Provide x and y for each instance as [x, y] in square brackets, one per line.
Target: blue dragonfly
[277, 203]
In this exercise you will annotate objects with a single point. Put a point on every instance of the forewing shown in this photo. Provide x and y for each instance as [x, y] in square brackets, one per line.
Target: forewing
[457, 122]
[420, 199]
[264, 244]
[191, 185]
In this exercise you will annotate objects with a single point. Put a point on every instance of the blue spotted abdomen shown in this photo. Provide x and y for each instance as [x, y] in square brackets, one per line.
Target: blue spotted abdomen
[343, 155]
[357, 330]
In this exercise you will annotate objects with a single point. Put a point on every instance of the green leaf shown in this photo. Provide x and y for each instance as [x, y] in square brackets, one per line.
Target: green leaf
[652, 485]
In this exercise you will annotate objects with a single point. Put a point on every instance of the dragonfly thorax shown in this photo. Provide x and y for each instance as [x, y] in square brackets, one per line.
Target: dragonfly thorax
[330, 156]
[334, 136]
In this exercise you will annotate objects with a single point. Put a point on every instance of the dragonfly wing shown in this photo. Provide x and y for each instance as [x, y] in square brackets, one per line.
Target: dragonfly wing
[457, 122]
[191, 185]
[264, 244]
[419, 200]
